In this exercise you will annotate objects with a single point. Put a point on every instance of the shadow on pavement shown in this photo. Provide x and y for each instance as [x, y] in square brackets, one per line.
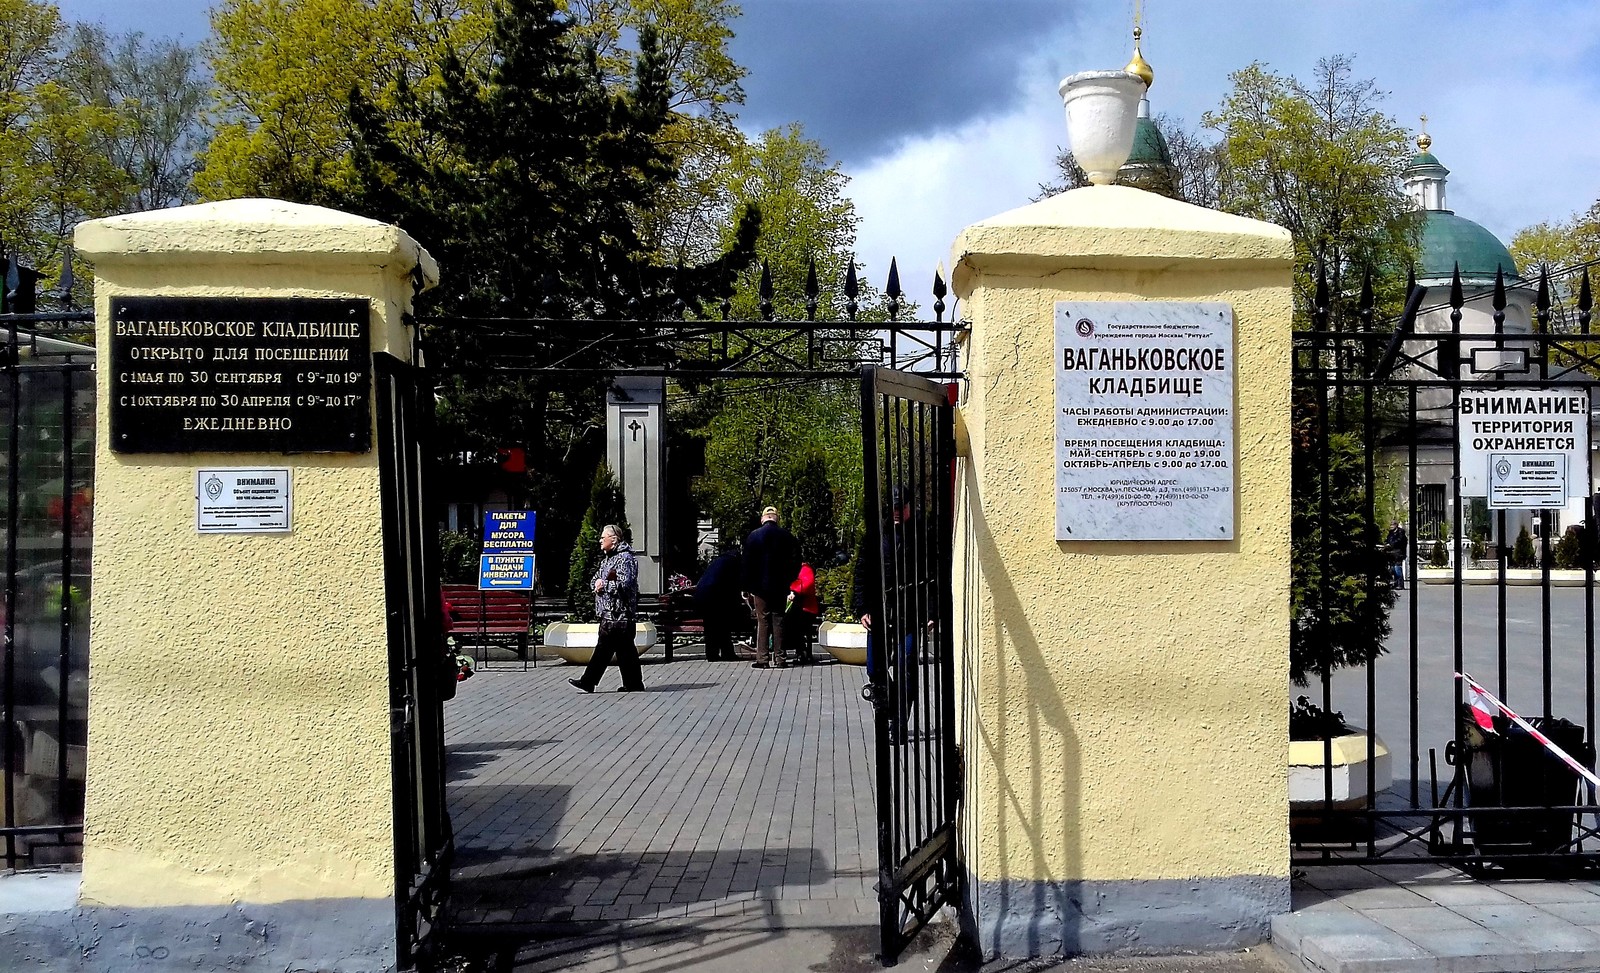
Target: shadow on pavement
[523, 885]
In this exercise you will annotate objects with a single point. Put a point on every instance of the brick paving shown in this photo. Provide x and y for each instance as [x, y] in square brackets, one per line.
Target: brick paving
[721, 791]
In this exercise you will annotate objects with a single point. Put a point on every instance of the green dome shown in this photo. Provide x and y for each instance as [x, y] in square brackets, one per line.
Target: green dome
[1424, 159]
[1448, 240]
[1149, 166]
[1149, 148]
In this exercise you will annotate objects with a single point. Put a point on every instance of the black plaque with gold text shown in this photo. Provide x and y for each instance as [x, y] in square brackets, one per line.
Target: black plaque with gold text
[240, 375]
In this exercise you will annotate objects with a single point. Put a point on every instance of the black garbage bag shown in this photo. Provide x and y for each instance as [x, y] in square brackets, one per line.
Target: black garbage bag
[1511, 769]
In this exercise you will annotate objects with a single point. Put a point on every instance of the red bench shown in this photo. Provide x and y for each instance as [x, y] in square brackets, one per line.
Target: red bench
[486, 618]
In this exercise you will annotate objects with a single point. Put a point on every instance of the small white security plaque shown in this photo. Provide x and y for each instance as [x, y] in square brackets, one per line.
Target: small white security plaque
[1144, 421]
[1527, 481]
[1527, 423]
[242, 501]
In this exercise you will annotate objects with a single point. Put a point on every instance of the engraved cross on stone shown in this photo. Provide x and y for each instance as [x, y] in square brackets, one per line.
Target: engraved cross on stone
[634, 428]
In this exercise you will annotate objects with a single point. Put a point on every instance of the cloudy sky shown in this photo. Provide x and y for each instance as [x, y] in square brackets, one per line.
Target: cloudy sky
[944, 112]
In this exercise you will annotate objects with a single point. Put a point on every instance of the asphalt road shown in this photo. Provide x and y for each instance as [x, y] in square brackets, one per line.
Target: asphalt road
[1435, 651]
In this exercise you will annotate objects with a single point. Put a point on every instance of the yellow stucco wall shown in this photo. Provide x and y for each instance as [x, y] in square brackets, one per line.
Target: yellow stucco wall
[238, 709]
[1124, 703]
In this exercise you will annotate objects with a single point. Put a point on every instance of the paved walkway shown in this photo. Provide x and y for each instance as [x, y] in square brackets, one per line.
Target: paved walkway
[721, 791]
[1434, 919]
[726, 815]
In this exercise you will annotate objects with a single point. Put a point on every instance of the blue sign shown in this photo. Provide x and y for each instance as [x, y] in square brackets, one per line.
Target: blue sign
[508, 531]
[509, 572]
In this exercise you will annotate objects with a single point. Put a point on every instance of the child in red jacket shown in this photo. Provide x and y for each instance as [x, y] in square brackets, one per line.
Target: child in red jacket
[800, 614]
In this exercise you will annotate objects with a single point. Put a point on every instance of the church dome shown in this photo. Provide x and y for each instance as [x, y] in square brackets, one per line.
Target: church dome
[1449, 240]
[1149, 166]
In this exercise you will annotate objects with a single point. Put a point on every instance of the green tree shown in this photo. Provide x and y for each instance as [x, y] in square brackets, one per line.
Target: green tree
[807, 220]
[605, 507]
[1338, 582]
[1323, 161]
[760, 433]
[759, 437]
[52, 172]
[284, 69]
[157, 90]
[808, 499]
[282, 72]
[1558, 245]
[530, 173]
[87, 123]
[1560, 249]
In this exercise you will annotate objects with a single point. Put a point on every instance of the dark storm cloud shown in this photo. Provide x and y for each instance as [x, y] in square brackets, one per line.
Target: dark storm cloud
[862, 74]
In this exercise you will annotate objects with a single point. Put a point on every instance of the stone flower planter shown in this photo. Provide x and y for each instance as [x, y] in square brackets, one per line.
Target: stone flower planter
[1102, 111]
[1559, 577]
[845, 641]
[1306, 791]
[575, 641]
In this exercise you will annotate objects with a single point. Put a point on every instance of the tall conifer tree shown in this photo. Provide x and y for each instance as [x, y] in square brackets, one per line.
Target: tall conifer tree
[529, 178]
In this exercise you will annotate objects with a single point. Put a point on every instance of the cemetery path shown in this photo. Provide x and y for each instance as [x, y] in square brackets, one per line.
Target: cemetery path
[721, 791]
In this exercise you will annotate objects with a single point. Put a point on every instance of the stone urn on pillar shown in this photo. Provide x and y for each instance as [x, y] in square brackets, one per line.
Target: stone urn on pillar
[1102, 110]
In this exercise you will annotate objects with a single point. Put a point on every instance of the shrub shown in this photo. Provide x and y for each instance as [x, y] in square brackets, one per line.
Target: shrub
[1340, 592]
[605, 507]
[833, 587]
[1439, 556]
[1570, 551]
[1308, 721]
[1522, 552]
[458, 556]
[809, 497]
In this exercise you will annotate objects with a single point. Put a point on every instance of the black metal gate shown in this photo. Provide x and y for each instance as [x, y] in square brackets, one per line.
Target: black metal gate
[907, 438]
[1498, 584]
[47, 453]
[420, 675]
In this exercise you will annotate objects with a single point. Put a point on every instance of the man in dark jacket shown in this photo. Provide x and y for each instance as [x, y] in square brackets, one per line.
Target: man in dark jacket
[717, 598]
[1397, 545]
[771, 563]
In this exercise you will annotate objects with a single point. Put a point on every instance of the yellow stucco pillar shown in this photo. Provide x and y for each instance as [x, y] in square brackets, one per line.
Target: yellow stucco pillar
[239, 810]
[1125, 717]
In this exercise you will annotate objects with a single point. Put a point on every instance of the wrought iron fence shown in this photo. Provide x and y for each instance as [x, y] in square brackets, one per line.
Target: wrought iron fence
[831, 339]
[1382, 437]
[47, 421]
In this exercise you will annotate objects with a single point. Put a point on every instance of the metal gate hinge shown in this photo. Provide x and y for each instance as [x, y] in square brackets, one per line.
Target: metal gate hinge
[401, 717]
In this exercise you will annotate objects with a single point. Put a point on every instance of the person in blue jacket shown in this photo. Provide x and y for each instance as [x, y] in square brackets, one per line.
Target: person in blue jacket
[716, 596]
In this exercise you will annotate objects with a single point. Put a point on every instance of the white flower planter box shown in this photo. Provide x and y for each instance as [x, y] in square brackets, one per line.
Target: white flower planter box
[845, 641]
[1559, 577]
[575, 641]
[1306, 790]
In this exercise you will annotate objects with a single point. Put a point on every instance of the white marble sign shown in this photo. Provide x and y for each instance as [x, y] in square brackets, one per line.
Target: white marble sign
[1144, 421]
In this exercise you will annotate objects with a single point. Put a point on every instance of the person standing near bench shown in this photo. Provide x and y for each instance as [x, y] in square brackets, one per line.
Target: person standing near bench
[717, 599]
[616, 601]
[771, 563]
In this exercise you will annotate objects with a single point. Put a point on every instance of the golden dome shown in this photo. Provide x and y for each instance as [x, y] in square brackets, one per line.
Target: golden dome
[1139, 65]
[1424, 141]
